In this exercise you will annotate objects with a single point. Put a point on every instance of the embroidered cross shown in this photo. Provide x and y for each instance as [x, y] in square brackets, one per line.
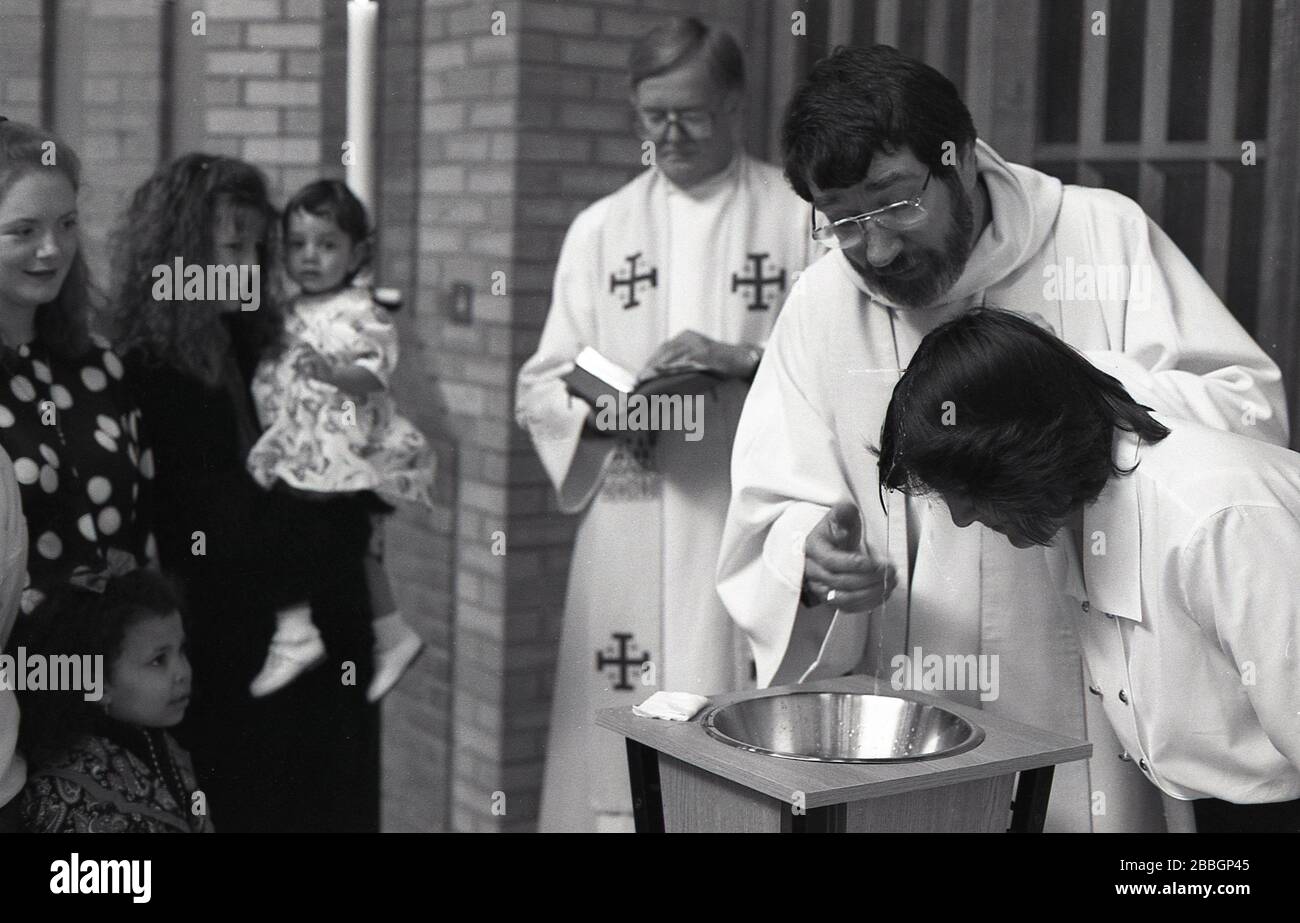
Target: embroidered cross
[758, 281]
[615, 283]
[622, 661]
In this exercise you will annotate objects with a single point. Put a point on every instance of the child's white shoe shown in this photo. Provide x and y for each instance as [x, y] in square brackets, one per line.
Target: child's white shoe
[392, 657]
[288, 659]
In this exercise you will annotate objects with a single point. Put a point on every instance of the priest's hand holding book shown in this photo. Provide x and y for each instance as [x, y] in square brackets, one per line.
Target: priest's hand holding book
[839, 570]
[689, 363]
[690, 349]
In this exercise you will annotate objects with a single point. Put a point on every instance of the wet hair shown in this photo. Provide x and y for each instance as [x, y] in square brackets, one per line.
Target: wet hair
[1031, 428]
[62, 325]
[330, 198]
[671, 45]
[862, 101]
[172, 215]
[73, 621]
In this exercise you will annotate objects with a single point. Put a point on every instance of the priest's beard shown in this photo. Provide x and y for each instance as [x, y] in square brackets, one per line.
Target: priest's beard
[919, 279]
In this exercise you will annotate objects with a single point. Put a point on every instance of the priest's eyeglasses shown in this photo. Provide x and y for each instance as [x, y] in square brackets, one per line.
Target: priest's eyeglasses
[695, 123]
[849, 232]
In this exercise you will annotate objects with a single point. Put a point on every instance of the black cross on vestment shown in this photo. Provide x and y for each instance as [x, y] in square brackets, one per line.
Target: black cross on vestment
[631, 281]
[622, 661]
[758, 282]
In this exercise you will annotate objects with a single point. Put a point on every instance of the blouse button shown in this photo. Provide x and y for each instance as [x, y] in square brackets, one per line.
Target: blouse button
[1125, 757]
[1142, 764]
[1086, 606]
[1096, 690]
[1123, 696]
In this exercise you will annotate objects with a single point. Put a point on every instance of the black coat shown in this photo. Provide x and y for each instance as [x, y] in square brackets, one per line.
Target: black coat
[306, 757]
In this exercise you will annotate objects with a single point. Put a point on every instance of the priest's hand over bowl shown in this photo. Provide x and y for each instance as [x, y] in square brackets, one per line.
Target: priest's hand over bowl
[838, 570]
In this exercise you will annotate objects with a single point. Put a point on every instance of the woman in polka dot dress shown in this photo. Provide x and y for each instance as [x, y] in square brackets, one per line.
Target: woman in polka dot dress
[66, 418]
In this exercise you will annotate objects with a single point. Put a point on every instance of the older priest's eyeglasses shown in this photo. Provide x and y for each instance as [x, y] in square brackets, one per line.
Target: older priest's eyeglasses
[694, 123]
[849, 232]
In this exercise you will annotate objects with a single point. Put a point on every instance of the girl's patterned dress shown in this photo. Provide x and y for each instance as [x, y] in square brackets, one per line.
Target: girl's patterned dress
[74, 436]
[318, 438]
[123, 780]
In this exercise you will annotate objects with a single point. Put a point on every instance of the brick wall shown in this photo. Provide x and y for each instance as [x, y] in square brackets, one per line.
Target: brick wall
[488, 146]
[417, 742]
[20, 59]
[263, 70]
[117, 132]
[522, 131]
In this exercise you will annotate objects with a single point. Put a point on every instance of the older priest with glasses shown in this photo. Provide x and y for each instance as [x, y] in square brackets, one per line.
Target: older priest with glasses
[926, 221]
[685, 267]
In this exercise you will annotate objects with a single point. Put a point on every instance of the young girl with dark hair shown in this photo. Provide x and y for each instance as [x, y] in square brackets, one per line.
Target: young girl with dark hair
[102, 761]
[331, 424]
[307, 758]
[1173, 545]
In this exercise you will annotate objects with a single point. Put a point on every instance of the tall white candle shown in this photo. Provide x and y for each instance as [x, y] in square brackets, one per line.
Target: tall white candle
[363, 28]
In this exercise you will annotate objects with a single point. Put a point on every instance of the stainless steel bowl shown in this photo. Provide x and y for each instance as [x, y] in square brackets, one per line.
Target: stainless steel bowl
[842, 727]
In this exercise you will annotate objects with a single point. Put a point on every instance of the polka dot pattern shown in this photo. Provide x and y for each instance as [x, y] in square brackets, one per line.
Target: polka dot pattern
[26, 470]
[72, 435]
[109, 521]
[22, 388]
[99, 489]
[49, 546]
[94, 379]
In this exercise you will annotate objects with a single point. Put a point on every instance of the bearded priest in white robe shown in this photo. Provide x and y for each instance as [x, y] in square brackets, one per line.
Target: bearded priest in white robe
[688, 262]
[928, 221]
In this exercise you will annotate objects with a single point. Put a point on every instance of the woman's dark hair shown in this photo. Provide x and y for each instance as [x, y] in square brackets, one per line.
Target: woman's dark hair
[172, 215]
[671, 45]
[62, 325]
[330, 198]
[862, 101]
[73, 621]
[994, 408]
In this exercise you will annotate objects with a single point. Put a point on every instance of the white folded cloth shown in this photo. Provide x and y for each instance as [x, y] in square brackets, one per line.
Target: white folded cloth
[671, 706]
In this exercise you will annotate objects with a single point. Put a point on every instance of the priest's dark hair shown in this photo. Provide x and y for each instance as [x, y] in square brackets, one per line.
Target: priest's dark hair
[995, 408]
[862, 101]
[671, 45]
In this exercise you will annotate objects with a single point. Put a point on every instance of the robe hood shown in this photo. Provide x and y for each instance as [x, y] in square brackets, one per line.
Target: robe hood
[1024, 202]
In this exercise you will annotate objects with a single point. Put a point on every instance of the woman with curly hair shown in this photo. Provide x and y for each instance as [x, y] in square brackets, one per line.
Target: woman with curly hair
[67, 418]
[307, 757]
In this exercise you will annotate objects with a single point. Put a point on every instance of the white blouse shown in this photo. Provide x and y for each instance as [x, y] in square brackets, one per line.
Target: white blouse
[1188, 598]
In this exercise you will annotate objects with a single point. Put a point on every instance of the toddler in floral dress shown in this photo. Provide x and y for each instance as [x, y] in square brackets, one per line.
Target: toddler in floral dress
[330, 424]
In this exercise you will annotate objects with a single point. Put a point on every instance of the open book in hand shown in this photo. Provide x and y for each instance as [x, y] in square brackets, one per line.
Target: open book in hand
[595, 375]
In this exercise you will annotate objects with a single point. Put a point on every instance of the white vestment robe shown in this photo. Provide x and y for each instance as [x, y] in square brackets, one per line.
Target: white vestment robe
[642, 611]
[818, 403]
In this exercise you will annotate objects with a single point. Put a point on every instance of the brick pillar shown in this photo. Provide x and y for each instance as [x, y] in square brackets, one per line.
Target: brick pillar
[21, 39]
[263, 63]
[517, 132]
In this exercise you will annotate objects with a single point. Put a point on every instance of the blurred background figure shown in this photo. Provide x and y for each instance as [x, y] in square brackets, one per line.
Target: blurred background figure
[687, 264]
